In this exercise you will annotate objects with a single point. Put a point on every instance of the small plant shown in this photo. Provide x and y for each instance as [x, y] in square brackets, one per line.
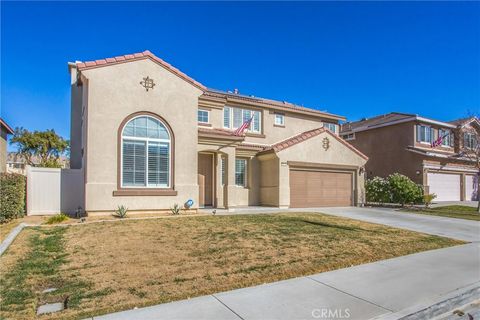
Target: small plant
[121, 212]
[428, 198]
[175, 209]
[58, 218]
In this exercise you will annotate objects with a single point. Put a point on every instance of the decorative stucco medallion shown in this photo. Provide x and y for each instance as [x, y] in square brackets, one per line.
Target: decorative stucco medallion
[147, 83]
[326, 143]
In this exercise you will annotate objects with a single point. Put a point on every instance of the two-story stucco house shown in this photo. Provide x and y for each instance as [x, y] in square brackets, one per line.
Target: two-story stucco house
[399, 142]
[148, 136]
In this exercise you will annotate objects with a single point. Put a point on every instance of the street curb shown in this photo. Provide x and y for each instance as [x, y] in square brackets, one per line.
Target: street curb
[438, 306]
[11, 236]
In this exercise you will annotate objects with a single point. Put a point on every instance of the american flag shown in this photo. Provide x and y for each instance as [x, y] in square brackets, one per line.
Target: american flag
[243, 127]
[438, 141]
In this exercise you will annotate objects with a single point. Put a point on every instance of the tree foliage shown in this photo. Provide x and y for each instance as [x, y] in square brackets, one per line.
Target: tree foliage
[46, 146]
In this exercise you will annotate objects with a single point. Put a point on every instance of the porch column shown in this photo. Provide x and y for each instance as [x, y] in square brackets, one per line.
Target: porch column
[284, 185]
[219, 187]
[230, 188]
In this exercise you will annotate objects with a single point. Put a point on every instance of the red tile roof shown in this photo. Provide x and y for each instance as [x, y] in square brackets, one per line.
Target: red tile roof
[138, 56]
[6, 126]
[279, 104]
[299, 138]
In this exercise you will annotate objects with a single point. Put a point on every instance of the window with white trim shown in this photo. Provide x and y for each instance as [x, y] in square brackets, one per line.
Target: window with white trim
[447, 137]
[226, 117]
[241, 172]
[233, 118]
[330, 126]
[469, 140]
[203, 116]
[424, 134]
[146, 154]
[279, 119]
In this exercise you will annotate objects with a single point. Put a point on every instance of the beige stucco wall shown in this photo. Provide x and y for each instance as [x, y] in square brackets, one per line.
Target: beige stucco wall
[311, 151]
[114, 93]
[3, 150]
[294, 124]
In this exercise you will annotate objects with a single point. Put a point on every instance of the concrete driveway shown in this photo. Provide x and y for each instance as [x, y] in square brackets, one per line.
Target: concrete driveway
[460, 229]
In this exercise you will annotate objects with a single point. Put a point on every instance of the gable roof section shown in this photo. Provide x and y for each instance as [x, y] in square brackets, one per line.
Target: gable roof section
[135, 57]
[464, 121]
[299, 138]
[208, 92]
[6, 126]
[388, 119]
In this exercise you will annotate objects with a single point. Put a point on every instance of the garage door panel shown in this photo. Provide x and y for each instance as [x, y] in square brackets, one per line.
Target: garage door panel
[317, 188]
[446, 186]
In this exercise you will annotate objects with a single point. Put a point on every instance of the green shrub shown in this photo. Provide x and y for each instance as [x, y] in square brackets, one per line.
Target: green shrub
[377, 190]
[396, 188]
[57, 218]
[12, 196]
[404, 190]
[428, 198]
[121, 212]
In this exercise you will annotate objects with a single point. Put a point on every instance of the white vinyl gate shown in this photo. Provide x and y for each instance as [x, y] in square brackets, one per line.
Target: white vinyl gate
[51, 190]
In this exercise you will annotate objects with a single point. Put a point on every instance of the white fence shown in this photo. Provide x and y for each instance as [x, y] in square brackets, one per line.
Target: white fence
[51, 190]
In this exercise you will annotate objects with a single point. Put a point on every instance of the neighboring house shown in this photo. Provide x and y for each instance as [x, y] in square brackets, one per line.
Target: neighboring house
[148, 136]
[5, 131]
[398, 142]
[16, 163]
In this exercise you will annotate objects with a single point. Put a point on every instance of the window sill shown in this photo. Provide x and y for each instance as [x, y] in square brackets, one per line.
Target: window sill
[144, 192]
[256, 135]
[279, 125]
[204, 124]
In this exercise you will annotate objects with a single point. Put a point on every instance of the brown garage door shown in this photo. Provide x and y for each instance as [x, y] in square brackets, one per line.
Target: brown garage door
[320, 189]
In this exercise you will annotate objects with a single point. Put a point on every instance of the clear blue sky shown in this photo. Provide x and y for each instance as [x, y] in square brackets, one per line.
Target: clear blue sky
[354, 59]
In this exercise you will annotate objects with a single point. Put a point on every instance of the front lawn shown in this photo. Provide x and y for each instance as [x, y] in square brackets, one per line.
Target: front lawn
[459, 212]
[111, 266]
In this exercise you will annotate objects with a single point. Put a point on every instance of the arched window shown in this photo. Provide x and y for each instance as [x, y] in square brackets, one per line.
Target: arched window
[146, 153]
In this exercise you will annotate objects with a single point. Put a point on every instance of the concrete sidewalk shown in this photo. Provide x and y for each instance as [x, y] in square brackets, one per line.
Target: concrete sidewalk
[367, 291]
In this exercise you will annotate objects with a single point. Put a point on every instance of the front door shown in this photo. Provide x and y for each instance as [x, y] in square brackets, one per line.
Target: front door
[205, 179]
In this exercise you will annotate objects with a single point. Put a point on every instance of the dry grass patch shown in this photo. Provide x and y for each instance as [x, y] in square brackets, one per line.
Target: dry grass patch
[120, 265]
[6, 228]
